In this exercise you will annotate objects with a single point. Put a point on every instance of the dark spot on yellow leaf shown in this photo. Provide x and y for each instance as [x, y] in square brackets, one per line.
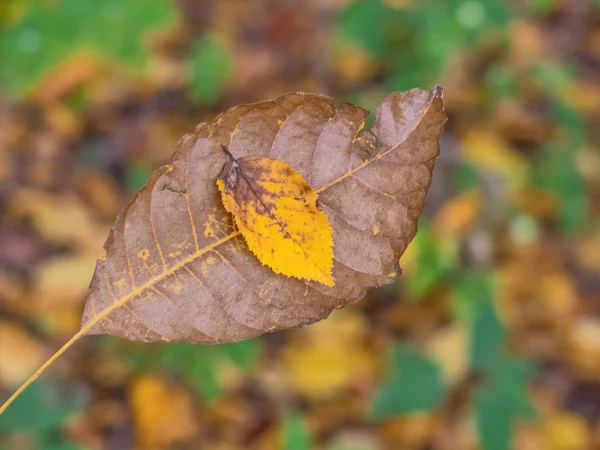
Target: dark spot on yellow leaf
[275, 204]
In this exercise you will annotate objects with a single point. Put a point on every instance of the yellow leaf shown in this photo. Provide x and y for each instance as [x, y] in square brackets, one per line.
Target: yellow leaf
[585, 347]
[329, 356]
[21, 353]
[489, 151]
[459, 214]
[449, 348]
[566, 431]
[163, 413]
[410, 432]
[276, 211]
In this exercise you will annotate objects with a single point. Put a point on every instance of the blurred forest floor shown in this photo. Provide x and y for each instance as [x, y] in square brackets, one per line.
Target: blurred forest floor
[490, 339]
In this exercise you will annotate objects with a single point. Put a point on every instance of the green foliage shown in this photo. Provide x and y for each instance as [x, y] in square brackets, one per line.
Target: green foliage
[367, 23]
[414, 43]
[47, 33]
[466, 177]
[295, 433]
[502, 81]
[40, 408]
[541, 7]
[414, 385]
[200, 365]
[502, 398]
[210, 67]
[137, 176]
[554, 168]
[434, 260]
[487, 332]
[501, 401]
[469, 287]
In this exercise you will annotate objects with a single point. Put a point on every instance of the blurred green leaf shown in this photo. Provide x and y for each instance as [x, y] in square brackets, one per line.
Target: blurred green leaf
[295, 433]
[41, 407]
[502, 81]
[487, 332]
[210, 67]
[554, 169]
[414, 385]
[200, 364]
[551, 76]
[469, 287]
[57, 443]
[501, 401]
[365, 22]
[413, 43]
[50, 32]
[136, 176]
[502, 398]
[466, 177]
[541, 7]
[434, 259]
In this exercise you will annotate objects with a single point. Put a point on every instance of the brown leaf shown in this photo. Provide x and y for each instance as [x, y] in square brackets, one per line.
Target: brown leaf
[177, 270]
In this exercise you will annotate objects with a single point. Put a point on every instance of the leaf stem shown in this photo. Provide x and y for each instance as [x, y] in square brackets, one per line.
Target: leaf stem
[33, 377]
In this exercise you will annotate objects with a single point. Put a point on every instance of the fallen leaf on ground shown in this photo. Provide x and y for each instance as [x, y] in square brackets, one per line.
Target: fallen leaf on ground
[21, 354]
[565, 431]
[163, 414]
[63, 280]
[329, 356]
[276, 212]
[411, 432]
[177, 270]
[59, 219]
[459, 214]
[487, 150]
[585, 346]
[448, 347]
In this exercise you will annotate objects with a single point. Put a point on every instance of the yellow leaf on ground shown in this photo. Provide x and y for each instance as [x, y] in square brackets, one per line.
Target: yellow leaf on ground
[163, 413]
[459, 214]
[276, 211]
[21, 354]
[587, 252]
[449, 348]
[566, 431]
[410, 432]
[487, 150]
[59, 286]
[353, 64]
[63, 280]
[329, 356]
[59, 219]
[585, 346]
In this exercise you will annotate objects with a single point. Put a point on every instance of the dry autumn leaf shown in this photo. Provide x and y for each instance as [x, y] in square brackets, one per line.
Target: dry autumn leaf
[276, 211]
[176, 269]
[163, 413]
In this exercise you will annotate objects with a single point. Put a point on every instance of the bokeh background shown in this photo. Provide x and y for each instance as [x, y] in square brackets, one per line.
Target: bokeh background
[490, 339]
